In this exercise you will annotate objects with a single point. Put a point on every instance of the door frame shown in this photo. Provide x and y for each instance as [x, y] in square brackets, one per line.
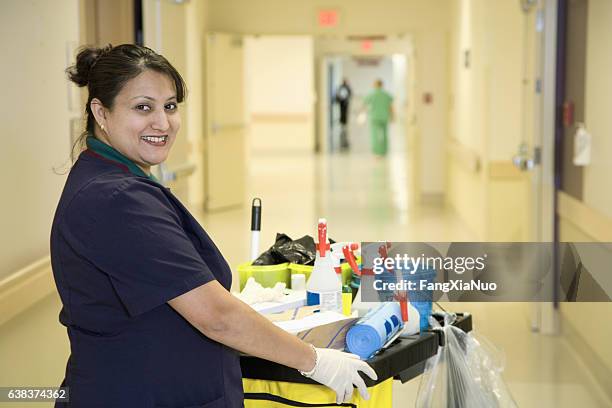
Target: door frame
[545, 315]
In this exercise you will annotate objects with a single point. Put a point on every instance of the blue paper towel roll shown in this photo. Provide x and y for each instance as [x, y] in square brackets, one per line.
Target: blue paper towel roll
[370, 333]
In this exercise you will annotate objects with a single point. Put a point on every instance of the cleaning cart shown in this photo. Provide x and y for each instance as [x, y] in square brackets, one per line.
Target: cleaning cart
[270, 385]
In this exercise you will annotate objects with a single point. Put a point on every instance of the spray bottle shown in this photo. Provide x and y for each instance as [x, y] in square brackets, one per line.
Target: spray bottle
[324, 287]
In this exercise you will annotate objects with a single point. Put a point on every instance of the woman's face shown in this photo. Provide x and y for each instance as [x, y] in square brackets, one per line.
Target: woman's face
[144, 120]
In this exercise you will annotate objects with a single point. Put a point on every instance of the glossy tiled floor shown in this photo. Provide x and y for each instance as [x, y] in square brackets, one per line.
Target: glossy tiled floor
[363, 198]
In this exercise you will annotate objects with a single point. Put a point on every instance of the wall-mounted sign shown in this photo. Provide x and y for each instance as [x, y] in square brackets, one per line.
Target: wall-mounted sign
[328, 18]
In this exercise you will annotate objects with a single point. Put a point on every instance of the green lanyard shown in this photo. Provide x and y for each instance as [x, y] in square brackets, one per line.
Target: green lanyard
[110, 153]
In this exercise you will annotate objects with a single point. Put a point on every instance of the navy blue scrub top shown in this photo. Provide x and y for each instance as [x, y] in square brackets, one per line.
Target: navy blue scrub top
[122, 246]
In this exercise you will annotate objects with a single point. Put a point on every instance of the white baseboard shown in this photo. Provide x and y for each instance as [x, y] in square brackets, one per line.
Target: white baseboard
[24, 288]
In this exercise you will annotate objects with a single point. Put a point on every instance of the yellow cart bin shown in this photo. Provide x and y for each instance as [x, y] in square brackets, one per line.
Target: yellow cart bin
[280, 394]
[345, 269]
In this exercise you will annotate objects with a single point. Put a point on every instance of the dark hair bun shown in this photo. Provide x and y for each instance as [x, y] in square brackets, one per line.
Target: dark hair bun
[85, 61]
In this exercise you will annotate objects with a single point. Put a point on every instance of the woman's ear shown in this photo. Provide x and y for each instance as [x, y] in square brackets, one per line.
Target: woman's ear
[99, 112]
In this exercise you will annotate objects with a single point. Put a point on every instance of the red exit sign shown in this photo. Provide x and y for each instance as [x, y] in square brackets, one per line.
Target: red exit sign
[328, 18]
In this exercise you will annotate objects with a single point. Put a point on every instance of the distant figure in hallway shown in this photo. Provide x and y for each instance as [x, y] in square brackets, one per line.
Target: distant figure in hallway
[380, 111]
[343, 99]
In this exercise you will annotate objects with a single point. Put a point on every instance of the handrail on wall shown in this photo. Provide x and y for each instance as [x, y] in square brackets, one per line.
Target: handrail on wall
[467, 158]
[21, 289]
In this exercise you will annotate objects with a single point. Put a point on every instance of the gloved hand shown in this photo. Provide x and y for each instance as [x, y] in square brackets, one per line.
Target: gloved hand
[339, 371]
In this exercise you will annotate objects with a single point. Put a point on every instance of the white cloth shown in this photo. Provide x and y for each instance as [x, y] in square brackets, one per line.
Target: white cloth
[254, 293]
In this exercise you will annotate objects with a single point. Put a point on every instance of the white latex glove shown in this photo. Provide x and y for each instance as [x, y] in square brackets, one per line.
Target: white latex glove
[340, 371]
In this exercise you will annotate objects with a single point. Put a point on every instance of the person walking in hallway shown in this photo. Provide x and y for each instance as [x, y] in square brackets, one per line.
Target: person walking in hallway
[380, 111]
[343, 99]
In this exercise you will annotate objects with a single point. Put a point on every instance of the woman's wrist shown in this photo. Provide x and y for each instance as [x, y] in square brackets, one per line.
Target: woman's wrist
[311, 362]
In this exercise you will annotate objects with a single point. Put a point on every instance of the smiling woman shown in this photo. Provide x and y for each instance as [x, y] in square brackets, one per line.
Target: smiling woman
[144, 290]
[133, 100]
[144, 120]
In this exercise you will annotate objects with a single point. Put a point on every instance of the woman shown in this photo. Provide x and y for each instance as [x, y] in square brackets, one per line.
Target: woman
[144, 289]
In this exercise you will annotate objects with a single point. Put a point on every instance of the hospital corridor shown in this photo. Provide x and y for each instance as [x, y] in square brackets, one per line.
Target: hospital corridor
[449, 126]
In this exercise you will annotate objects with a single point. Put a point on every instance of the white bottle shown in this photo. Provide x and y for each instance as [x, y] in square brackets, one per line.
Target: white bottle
[324, 287]
[582, 146]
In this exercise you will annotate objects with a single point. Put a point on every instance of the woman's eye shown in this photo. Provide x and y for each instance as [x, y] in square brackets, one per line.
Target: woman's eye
[144, 108]
[171, 106]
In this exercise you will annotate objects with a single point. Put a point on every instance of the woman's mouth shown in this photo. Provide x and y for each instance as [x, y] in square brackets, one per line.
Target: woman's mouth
[155, 140]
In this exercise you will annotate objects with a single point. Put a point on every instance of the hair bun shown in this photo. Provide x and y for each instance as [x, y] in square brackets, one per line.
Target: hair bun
[85, 61]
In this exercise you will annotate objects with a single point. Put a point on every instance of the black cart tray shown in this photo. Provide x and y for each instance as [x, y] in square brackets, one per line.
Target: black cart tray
[403, 360]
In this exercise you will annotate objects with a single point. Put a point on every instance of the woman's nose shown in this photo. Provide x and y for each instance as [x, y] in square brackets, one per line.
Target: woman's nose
[161, 121]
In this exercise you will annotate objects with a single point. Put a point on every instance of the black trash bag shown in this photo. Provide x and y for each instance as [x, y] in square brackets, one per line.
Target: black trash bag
[271, 256]
[301, 251]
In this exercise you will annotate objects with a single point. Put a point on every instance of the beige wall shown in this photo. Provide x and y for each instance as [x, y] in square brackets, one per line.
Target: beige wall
[279, 82]
[486, 117]
[280, 72]
[598, 103]
[431, 76]
[356, 16]
[37, 39]
[466, 147]
[503, 60]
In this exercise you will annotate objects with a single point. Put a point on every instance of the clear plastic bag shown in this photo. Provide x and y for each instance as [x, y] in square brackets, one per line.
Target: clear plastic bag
[465, 373]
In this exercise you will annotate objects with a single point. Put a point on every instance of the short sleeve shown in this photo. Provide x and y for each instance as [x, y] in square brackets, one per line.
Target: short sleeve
[136, 237]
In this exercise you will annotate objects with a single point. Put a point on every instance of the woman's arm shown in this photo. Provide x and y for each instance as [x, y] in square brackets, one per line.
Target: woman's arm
[222, 317]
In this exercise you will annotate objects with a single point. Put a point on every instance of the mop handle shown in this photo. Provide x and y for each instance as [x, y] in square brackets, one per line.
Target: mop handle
[255, 227]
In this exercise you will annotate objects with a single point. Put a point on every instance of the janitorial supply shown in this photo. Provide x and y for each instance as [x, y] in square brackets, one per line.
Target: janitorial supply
[324, 287]
[371, 333]
[255, 227]
[421, 299]
[347, 300]
[298, 281]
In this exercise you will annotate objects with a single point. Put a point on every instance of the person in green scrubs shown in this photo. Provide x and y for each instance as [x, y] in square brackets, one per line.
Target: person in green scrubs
[380, 111]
